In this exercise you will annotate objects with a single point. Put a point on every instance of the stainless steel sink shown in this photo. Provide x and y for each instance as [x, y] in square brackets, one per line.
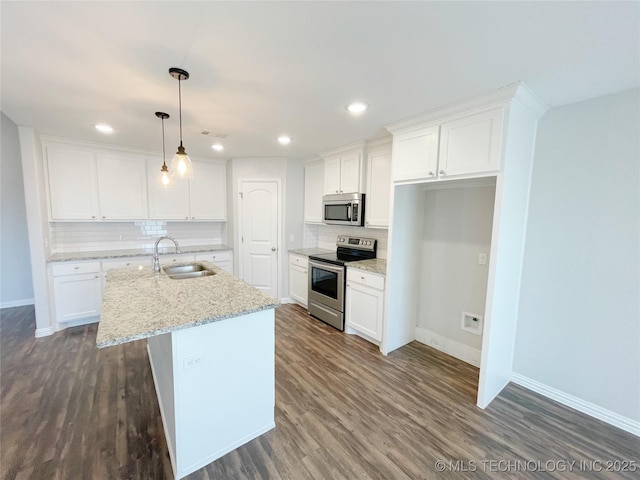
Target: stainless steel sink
[192, 270]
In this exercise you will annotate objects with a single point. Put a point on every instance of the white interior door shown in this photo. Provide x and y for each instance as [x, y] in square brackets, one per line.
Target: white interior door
[259, 247]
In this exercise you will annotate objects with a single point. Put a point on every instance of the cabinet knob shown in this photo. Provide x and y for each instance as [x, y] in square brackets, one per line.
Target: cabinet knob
[104, 216]
[431, 174]
[442, 172]
[186, 218]
[337, 191]
[361, 278]
[93, 216]
[193, 218]
[273, 249]
[76, 268]
[97, 276]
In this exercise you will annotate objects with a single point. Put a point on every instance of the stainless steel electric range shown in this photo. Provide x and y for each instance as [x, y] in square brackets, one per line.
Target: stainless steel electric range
[327, 275]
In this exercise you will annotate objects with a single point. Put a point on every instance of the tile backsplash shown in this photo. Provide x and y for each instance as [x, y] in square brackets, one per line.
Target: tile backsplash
[84, 237]
[324, 236]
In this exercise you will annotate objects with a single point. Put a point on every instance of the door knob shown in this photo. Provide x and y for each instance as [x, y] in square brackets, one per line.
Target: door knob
[273, 249]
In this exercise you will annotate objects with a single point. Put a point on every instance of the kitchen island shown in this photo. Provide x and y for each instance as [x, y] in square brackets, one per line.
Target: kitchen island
[211, 347]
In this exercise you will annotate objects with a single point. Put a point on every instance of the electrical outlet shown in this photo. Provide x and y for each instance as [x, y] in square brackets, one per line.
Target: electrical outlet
[482, 259]
[193, 361]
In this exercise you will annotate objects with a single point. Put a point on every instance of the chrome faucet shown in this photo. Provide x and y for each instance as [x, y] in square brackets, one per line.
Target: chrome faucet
[156, 260]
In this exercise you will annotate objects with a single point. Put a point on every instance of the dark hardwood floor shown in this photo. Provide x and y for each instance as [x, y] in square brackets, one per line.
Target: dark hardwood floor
[343, 411]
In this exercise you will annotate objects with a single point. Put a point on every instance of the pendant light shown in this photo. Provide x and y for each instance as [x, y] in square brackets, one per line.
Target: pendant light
[181, 163]
[165, 180]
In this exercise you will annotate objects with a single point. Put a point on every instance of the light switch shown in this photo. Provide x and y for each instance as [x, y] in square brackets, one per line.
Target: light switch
[482, 259]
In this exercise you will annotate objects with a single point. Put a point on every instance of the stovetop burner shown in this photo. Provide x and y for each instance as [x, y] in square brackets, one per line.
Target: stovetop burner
[350, 249]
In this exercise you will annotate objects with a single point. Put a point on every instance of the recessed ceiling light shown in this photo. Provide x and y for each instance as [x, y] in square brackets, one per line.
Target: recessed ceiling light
[284, 140]
[104, 128]
[218, 147]
[356, 107]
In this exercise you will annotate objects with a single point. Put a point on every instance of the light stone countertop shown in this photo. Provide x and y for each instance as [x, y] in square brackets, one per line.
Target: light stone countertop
[373, 265]
[167, 249]
[305, 252]
[138, 304]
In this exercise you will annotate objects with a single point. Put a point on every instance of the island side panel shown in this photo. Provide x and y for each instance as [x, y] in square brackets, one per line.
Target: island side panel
[224, 375]
[160, 351]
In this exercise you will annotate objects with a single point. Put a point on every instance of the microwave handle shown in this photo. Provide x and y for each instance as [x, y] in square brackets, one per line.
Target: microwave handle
[348, 211]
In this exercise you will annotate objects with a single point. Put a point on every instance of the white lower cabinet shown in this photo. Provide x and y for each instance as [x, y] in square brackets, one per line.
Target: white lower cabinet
[298, 278]
[364, 304]
[77, 291]
[222, 259]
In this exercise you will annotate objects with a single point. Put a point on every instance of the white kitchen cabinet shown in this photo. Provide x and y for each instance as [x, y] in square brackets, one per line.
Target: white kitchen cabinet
[77, 291]
[176, 258]
[72, 182]
[364, 303]
[298, 278]
[378, 187]
[208, 192]
[313, 191]
[472, 144]
[222, 259]
[166, 202]
[122, 187]
[415, 154]
[344, 170]
[462, 147]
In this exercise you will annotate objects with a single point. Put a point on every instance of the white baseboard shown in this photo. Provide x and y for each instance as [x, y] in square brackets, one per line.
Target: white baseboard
[17, 303]
[287, 300]
[456, 349]
[44, 332]
[612, 418]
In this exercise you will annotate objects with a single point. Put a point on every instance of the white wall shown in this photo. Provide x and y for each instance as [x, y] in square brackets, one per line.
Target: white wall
[457, 228]
[291, 175]
[324, 236]
[579, 322]
[16, 287]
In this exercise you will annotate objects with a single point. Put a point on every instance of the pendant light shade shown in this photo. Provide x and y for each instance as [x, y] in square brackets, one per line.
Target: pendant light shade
[165, 179]
[181, 163]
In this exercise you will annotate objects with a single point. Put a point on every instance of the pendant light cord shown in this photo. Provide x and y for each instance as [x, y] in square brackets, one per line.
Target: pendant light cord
[164, 155]
[180, 105]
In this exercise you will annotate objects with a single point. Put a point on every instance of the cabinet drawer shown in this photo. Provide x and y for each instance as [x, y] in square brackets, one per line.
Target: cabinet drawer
[130, 262]
[71, 268]
[298, 260]
[214, 257]
[365, 278]
[165, 259]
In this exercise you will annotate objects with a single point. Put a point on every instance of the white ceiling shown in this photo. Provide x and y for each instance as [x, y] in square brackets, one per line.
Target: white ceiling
[262, 69]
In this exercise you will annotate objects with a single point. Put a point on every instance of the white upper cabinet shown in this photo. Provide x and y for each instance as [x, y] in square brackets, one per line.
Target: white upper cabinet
[208, 192]
[344, 170]
[350, 172]
[460, 146]
[73, 193]
[95, 183]
[471, 144]
[122, 187]
[332, 175]
[378, 186]
[313, 191]
[170, 202]
[415, 154]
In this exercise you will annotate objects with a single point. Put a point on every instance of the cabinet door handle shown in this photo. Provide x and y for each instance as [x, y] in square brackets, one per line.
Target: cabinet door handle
[186, 218]
[442, 172]
[431, 174]
[97, 276]
[93, 216]
[76, 268]
[103, 217]
[337, 191]
[361, 278]
[273, 249]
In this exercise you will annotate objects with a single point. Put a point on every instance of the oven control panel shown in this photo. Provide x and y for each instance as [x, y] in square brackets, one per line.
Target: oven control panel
[356, 242]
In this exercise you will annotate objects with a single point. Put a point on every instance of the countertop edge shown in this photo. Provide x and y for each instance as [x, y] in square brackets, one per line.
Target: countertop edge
[112, 254]
[197, 323]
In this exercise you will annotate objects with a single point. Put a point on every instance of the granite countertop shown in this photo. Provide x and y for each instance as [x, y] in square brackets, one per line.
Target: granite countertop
[138, 304]
[310, 251]
[373, 265]
[140, 252]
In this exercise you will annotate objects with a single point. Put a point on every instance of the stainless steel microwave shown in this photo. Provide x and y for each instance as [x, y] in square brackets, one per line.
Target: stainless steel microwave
[347, 209]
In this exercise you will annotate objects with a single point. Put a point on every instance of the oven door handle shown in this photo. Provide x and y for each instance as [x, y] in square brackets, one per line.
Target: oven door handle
[326, 266]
